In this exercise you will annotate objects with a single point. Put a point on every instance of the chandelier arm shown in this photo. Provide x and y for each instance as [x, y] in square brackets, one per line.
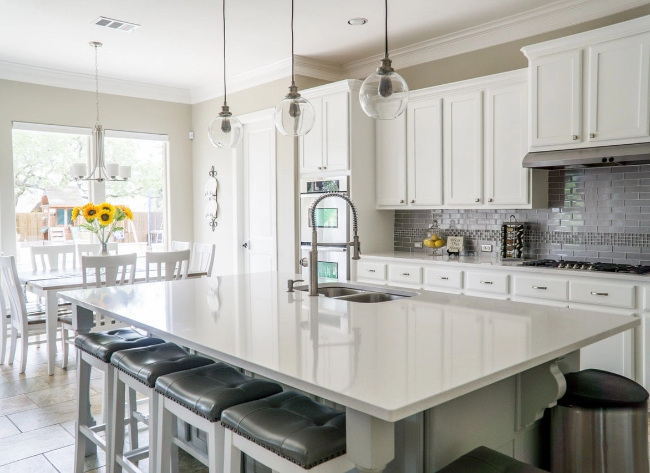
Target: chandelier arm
[293, 73]
[386, 30]
[223, 17]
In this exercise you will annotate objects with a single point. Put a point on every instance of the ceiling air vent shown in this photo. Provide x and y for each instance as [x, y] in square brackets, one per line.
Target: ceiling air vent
[116, 24]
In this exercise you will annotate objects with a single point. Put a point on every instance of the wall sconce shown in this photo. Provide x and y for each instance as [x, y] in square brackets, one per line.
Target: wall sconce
[210, 193]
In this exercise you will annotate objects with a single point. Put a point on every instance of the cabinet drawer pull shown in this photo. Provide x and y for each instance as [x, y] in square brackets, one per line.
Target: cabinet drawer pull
[599, 293]
[540, 287]
[444, 278]
[575, 137]
[370, 270]
[592, 135]
[413, 201]
[405, 274]
[401, 201]
[477, 200]
[487, 282]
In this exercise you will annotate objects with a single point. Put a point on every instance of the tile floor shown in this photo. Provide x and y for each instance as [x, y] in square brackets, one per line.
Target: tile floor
[37, 415]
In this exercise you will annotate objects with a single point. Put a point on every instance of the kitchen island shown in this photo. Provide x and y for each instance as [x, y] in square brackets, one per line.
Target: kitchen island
[446, 372]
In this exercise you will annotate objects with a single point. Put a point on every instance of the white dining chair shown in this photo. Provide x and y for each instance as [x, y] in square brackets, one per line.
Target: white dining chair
[93, 249]
[167, 266]
[23, 324]
[53, 257]
[181, 245]
[116, 270]
[203, 258]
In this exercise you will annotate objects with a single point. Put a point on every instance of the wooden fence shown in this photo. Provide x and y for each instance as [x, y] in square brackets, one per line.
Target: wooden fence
[28, 227]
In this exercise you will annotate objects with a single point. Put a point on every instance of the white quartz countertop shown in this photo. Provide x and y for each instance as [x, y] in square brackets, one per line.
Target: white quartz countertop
[483, 262]
[389, 360]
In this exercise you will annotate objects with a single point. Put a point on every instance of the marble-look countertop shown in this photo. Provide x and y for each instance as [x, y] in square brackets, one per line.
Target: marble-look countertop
[484, 262]
[389, 360]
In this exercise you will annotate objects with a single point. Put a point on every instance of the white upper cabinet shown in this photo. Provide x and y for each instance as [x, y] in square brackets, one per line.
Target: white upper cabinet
[556, 99]
[424, 152]
[391, 162]
[618, 89]
[463, 148]
[591, 89]
[506, 181]
[327, 146]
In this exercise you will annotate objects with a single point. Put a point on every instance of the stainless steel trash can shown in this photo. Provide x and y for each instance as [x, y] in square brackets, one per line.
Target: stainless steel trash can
[600, 425]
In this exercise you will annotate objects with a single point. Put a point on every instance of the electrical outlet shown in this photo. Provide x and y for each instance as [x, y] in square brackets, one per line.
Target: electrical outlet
[417, 244]
[486, 248]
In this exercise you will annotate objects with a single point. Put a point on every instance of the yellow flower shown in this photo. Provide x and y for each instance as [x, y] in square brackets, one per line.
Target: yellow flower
[105, 216]
[127, 211]
[75, 213]
[105, 206]
[89, 211]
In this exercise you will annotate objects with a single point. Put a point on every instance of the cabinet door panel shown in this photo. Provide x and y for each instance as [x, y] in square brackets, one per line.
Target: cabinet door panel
[556, 99]
[337, 131]
[506, 142]
[424, 153]
[463, 149]
[391, 162]
[618, 88]
[311, 159]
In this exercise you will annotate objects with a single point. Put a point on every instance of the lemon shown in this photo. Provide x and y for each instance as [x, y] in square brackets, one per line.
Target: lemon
[434, 237]
[439, 243]
[429, 243]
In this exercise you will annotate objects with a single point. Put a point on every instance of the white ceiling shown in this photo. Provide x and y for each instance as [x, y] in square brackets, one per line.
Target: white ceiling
[179, 42]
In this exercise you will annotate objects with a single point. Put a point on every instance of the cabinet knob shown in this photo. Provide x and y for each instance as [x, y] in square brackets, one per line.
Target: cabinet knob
[592, 135]
[575, 137]
[405, 274]
[324, 167]
[401, 201]
[320, 167]
[477, 200]
[413, 201]
[490, 199]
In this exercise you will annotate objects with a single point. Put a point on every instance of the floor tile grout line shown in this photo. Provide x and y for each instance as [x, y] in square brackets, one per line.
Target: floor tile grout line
[14, 424]
[53, 465]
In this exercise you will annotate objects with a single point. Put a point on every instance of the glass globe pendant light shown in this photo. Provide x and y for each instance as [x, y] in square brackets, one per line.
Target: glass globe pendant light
[225, 130]
[384, 94]
[294, 116]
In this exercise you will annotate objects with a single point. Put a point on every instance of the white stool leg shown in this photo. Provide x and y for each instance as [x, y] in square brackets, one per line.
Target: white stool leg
[117, 429]
[215, 448]
[83, 385]
[64, 346]
[154, 401]
[12, 346]
[132, 406]
[231, 454]
[3, 339]
[165, 438]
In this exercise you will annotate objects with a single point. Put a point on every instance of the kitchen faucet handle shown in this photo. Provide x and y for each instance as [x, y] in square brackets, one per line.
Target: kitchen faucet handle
[291, 282]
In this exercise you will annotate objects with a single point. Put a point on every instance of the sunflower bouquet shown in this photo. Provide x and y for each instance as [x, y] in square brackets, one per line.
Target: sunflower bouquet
[103, 220]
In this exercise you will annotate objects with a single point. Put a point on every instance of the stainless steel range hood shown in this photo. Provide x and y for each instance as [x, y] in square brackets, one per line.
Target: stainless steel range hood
[589, 157]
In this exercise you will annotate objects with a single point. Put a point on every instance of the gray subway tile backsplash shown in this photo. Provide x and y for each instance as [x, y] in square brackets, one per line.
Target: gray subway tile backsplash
[595, 214]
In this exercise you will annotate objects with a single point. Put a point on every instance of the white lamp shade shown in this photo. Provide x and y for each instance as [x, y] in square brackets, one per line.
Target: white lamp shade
[225, 131]
[384, 96]
[125, 172]
[112, 169]
[294, 116]
[78, 170]
[211, 209]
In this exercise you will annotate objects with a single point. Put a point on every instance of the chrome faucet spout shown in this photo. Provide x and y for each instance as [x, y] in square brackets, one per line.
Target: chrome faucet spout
[313, 254]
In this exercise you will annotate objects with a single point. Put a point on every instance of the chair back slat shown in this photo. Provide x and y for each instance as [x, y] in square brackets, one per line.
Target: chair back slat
[181, 245]
[203, 257]
[116, 270]
[9, 277]
[53, 257]
[175, 263]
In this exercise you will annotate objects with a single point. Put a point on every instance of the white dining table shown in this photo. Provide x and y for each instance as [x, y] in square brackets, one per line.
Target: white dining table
[48, 283]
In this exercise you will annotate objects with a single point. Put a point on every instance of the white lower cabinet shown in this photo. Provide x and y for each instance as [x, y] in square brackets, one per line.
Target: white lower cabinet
[490, 283]
[541, 288]
[405, 274]
[606, 294]
[443, 279]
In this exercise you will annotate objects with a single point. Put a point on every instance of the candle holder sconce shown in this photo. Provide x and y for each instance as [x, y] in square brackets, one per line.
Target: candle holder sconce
[210, 193]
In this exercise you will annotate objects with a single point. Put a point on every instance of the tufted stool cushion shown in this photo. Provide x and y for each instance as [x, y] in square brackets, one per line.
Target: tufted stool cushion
[485, 460]
[208, 390]
[292, 426]
[147, 364]
[102, 345]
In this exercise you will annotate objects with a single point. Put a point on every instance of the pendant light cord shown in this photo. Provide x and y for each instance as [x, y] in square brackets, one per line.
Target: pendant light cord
[223, 16]
[386, 30]
[96, 84]
[293, 74]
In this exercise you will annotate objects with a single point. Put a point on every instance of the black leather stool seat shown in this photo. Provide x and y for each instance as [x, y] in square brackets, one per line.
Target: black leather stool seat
[208, 390]
[292, 426]
[102, 345]
[485, 460]
[148, 363]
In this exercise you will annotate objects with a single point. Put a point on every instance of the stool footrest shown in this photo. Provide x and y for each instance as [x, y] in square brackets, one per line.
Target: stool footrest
[191, 449]
[137, 454]
[92, 436]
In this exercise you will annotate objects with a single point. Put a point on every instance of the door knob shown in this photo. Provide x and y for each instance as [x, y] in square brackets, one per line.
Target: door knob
[245, 244]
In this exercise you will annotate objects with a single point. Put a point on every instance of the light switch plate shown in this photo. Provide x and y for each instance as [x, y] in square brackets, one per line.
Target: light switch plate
[486, 248]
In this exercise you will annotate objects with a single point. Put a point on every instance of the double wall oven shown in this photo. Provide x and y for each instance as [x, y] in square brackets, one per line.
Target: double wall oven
[332, 224]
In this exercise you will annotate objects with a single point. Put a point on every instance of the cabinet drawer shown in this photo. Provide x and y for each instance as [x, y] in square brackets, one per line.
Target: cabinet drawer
[608, 294]
[487, 282]
[367, 270]
[554, 289]
[407, 274]
[447, 278]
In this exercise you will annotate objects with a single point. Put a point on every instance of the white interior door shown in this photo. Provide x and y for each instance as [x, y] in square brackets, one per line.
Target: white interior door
[258, 196]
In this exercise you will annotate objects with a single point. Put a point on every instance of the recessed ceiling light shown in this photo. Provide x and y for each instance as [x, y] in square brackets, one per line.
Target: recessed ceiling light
[357, 21]
[120, 25]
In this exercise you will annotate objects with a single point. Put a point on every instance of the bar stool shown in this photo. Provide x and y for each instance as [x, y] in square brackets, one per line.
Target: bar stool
[139, 368]
[198, 397]
[287, 432]
[94, 350]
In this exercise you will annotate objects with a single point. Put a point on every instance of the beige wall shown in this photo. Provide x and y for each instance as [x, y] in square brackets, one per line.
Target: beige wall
[205, 155]
[502, 58]
[24, 102]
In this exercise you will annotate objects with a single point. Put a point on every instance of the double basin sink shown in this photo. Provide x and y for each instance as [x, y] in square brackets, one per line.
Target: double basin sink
[358, 293]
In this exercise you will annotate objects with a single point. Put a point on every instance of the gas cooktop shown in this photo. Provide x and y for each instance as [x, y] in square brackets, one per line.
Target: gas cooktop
[587, 266]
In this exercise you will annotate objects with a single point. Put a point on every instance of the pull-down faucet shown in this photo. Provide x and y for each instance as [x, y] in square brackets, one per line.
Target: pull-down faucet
[313, 254]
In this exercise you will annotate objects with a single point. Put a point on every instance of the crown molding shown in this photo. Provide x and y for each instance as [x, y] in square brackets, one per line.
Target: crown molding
[551, 17]
[72, 80]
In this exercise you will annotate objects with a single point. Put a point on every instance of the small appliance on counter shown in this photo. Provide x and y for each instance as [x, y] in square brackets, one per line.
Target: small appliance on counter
[512, 240]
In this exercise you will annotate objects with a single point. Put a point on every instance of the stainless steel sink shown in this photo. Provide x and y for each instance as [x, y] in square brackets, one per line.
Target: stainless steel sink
[371, 297]
[353, 292]
[339, 291]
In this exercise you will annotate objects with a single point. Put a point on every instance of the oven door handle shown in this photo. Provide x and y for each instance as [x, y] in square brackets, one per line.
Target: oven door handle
[324, 249]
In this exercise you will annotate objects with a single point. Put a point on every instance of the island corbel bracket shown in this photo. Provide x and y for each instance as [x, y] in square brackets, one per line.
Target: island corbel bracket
[538, 388]
[370, 441]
